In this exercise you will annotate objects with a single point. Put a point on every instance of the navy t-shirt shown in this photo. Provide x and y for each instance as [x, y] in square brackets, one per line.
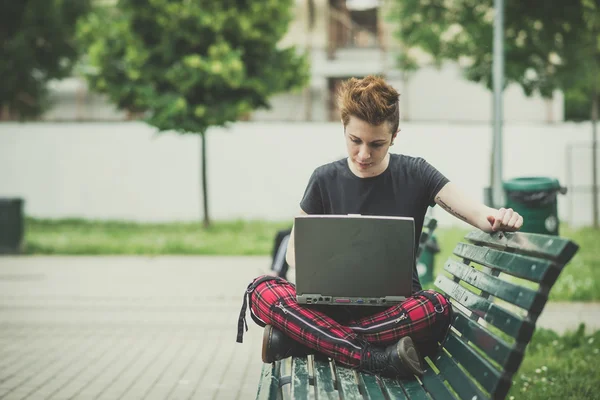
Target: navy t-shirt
[405, 189]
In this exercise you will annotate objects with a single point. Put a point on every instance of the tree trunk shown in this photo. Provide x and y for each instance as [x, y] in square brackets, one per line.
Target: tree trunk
[206, 221]
[405, 99]
[595, 156]
[549, 103]
[5, 112]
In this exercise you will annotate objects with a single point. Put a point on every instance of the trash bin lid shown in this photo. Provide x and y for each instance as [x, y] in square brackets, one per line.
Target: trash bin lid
[8, 201]
[531, 184]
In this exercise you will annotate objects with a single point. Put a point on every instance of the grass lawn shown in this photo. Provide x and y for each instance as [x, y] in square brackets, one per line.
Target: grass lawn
[580, 281]
[559, 367]
[78, 237]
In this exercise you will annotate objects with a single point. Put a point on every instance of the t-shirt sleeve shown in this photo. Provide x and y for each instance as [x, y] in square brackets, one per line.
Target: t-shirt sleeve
[432, 179]
[312, 201]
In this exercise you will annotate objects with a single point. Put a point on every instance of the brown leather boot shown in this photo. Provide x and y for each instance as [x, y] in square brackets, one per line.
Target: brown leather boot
[277, 346]
[398, 360]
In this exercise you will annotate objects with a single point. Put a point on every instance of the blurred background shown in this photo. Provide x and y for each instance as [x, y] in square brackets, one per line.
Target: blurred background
[91, 83]
[82, 77]
[170, 127]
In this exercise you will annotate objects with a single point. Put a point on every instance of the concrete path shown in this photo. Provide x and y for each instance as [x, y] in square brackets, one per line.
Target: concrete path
[126, 328]
[142, 327]
[562, 317]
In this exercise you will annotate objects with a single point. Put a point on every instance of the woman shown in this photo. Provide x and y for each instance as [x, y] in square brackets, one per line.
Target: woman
[370, 181]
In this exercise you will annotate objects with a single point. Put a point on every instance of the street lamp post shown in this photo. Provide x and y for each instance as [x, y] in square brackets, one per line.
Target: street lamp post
[498, 82]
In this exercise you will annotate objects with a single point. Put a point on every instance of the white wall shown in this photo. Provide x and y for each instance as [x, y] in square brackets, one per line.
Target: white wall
[256, 170]
[433, 94]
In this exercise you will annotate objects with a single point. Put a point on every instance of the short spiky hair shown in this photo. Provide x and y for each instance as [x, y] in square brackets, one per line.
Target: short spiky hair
[370, 99]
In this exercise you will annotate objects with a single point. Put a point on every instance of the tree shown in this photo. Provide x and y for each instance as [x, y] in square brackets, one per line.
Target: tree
[36, 45]
[191, 65]
[585, 57]
[539, 38]
[548, 46]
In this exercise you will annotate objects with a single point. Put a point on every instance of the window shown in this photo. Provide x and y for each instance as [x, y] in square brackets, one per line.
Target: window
[353, 23]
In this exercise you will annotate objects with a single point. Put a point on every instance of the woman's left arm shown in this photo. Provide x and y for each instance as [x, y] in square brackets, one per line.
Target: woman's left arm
[454, 201]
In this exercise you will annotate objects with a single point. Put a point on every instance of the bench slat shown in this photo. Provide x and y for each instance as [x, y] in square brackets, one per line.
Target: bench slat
[553, 247]
[392, 389]
[504, 320]
[525, 267]
[434, 385]
[347, 386]
[370, 387]
[324, 381]
[430, 223]
[461, 384]
[510, 292]
[268, 387]
[414, 390]
[487, 376]
[494, 347]
[300, 385]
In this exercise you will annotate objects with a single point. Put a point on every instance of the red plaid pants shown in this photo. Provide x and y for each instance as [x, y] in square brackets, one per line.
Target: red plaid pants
[425, 321]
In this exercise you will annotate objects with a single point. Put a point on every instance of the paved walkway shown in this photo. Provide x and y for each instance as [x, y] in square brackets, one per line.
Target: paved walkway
[141, 327]
[126, 328]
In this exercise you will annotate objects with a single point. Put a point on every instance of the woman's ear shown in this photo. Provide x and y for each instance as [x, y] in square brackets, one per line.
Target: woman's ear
[394, 137]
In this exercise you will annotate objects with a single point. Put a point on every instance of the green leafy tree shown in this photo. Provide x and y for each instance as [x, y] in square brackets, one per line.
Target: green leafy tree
[582, 78]
[548, 45]
[36, 45]
[543, 42]
[191, 65]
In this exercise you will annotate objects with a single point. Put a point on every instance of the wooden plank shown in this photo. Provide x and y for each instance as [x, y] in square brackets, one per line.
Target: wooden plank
[518, 295]
[285, 377]
[481, 370]
[551, 247]
[392, 389]
[413, 389]
[504, 320]
[310, 360]
[460, 382]
[347, 383]
[493, 346]
[434, 385]
[370, 387]
[530, 268]
[324, 388]
[300, 385]
[430, 223]
[508, 356]
[268, 387]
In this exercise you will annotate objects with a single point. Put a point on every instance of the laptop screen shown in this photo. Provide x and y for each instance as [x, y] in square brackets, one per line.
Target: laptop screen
[368, 256]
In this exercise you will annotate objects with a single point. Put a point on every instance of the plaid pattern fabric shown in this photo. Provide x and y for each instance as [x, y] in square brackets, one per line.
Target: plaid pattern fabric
[274, 303]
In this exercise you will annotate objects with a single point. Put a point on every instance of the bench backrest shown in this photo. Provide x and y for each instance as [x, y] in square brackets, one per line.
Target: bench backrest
[498, 285]
[429, 225]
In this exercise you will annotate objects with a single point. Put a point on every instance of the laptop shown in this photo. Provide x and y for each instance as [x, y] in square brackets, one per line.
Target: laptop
[353, 259]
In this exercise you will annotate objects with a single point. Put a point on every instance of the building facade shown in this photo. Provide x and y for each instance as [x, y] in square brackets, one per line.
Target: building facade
[349, 38]
[354, 38]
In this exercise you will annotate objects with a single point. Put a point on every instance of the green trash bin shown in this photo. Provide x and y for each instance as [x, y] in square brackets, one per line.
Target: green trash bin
[12, 225]
[535, 198]
[426, 260]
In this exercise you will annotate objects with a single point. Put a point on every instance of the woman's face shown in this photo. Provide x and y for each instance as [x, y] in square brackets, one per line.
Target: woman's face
[368, 145]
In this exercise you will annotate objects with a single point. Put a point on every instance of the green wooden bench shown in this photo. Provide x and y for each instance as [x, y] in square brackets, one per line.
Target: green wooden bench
[429, 225]
[498, 284]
